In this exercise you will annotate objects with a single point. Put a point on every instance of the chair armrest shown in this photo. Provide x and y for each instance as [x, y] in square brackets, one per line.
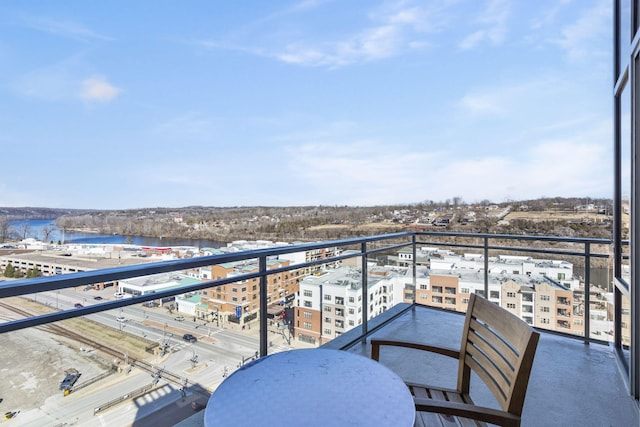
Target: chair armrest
[377, 343]
[464, 410]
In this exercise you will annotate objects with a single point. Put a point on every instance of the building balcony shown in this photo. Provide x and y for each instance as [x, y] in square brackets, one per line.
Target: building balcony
[576, 380]
[572, 383]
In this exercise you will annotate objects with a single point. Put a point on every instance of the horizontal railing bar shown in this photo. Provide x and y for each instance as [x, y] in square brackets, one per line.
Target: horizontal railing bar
[51, 283]
[592, 240]
[514, 249]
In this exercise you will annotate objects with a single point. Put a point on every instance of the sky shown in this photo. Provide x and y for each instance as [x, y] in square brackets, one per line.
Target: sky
[124, 105]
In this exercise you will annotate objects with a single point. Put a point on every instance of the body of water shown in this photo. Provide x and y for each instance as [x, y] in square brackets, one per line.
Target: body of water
[35, 228]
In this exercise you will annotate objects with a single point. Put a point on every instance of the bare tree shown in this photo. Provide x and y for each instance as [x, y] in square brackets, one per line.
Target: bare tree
[25, 230]
[4, 229]
[46, 232]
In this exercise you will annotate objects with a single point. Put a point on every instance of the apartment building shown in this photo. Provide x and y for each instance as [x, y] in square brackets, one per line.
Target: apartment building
[330, 302]
[239, 302]
[544, 293]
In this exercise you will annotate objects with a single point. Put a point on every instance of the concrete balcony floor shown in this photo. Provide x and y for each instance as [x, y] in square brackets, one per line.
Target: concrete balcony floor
[571, 384]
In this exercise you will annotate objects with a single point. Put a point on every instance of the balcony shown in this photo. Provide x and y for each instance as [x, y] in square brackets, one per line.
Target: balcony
[571, 383]
[574, 380]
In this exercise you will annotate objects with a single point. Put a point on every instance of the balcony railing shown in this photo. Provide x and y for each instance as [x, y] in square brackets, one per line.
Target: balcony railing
[362, 251]
[366, 248]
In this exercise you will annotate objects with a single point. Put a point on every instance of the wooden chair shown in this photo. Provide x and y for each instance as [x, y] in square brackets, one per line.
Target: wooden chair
[498, 347]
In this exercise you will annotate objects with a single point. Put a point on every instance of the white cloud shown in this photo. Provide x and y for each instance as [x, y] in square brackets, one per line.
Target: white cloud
[370, 172]
[63, 28]
[493, 23]
[98, 89]
[583, 37]
[396, 28]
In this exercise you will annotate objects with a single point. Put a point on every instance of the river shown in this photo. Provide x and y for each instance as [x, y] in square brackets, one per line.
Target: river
[35, 229]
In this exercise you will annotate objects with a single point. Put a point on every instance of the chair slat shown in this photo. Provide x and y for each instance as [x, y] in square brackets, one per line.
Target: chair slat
[495, 356]
[513, 329]
[494, 386]
[482, 332]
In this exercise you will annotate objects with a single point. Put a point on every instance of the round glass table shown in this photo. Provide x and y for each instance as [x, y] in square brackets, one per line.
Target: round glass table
[312, 387]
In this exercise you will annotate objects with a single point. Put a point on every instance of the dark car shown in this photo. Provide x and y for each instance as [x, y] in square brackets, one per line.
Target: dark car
[189, 337]
[98, 298]
[70, 379]
[78, 305]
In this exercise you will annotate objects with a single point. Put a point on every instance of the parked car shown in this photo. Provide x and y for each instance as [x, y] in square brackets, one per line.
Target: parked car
[78, 305]
[121, 319]
[179, 318]
[98, 298]
[70, 379]
[189, 338]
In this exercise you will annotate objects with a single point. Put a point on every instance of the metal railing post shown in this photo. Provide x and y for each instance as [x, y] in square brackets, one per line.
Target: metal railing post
[415, 284]
[587, 292]
[486, 267]
[365, 292]
[262, 266]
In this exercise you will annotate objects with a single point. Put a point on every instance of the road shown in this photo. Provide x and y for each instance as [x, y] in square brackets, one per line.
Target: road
[202, 365]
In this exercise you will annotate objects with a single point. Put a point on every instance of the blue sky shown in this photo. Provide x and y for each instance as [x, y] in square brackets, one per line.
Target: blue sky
[120, 104]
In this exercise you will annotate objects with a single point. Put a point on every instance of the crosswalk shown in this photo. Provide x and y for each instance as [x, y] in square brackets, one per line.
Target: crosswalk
[156, 394]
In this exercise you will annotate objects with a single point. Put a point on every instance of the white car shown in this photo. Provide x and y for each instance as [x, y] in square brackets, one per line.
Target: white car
[118, 295]
[121, 319]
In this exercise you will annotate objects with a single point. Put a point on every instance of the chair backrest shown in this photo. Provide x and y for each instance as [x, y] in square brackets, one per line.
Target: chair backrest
[499, 347]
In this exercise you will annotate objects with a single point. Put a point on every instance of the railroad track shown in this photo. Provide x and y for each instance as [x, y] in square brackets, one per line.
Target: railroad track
[66, 333]
[141, 364]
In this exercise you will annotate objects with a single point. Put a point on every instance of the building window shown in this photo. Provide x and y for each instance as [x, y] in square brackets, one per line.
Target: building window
[307, 314]
[327, 320]
[511, 305]
[234, 289]
[307, 303]
[424, 287]
[327, 297]
[327, 308]
[327, 331]
[437, 300]
[352, 300]
[544, 297]
[494, 294]
[544, 321]
[450, 300]
[511, 294]
[464, 290]
[307, 293]
[339, 301]
[307, 325]
[352, 311]
[544, 309]
[436, 289]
